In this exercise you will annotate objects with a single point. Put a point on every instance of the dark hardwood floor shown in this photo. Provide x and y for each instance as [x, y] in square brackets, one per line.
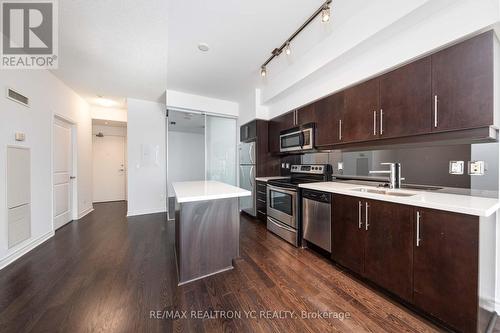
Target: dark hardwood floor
[107, 273]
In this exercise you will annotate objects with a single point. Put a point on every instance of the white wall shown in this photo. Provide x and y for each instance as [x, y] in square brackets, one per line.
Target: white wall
[181, 100]
[184, 166]
[146, 176]
[48, 96]
[105, 113]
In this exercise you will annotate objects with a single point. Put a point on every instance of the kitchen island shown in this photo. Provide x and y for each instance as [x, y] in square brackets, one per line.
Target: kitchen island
[207, 226]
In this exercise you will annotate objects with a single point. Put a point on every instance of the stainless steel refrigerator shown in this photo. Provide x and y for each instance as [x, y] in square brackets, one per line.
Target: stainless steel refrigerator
[247, 176]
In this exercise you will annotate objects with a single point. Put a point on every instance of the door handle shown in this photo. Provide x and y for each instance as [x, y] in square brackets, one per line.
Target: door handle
[381, 121]
[418, 228]
[72, 177]
[340, 130]
[360, 221]
[374, 122]
[435, 110]
[366, 216]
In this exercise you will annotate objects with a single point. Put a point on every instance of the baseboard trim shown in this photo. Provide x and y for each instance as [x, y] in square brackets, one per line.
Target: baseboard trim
[25, 249]
[85, 212]
[145, 211]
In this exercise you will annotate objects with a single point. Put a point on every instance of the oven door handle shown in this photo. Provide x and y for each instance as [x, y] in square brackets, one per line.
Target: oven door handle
[280, 189]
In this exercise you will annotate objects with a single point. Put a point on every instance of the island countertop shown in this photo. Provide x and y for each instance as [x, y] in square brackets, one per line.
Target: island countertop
[206, 190]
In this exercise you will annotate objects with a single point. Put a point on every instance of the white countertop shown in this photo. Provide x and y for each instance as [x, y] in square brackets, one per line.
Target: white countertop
[206, 190]
[464, 204]
[265, 179]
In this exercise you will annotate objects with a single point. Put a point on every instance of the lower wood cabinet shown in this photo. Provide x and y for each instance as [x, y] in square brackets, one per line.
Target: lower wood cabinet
[374, 239]
[348, 235]
[427, 257]
[445, 267]
[388, 247]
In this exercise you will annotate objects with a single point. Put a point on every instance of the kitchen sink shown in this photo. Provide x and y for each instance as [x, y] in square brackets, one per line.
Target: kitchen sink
[384, 192]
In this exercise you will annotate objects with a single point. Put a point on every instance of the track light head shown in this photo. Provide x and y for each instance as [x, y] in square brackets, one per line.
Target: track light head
[325, 14]
[288, 50]
[263, 71]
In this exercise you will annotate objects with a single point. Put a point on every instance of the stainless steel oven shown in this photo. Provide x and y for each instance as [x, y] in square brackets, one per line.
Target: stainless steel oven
[297, 139]
[282, 212]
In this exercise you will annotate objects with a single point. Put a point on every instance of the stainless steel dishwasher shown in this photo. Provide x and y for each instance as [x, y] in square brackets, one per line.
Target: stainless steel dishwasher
[317, 218]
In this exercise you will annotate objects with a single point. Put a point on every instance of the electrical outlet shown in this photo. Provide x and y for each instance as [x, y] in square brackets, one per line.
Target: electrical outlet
[340, 166]
[456, 167]
[476, 168]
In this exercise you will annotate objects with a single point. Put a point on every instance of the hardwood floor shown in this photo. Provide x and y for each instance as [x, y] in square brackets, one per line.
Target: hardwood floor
[106, 274]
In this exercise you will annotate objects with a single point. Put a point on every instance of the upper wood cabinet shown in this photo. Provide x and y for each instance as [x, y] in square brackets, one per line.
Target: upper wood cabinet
[405, 101]
[306, 114]
[329, 114]
[276, 125]
[462, 85]
[248, 131]
[362, 102]
[446, 267]
[450, 90]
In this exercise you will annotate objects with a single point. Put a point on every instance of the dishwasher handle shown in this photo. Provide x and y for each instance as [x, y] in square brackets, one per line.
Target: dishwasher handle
[317, 196]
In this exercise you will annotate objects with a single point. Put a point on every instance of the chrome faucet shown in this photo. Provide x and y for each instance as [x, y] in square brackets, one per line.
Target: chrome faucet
[394, 173]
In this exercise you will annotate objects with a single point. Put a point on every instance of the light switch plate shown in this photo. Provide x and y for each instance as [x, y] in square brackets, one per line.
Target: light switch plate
[340, 166]
[476, 168]
[456, 167]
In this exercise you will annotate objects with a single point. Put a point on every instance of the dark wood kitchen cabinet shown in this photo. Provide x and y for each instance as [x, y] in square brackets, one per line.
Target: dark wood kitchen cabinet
[405, 101]
[374, 239]
[362, 102]
[248, 131]
[276, 125]
[445, 267]
[306, 115]
[388, 247]
[462, 85]
[329, 112]
[348, 237]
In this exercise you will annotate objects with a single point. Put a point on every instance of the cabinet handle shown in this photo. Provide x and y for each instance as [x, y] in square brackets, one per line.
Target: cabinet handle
[374, 122]
[435, 110]
[366, 216]
[418, 229]
[340, 130]
[381, 121]
[360, 222]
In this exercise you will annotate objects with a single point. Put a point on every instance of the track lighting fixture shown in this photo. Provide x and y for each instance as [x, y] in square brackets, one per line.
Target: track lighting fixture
[324, 11]
[325, 14]
[263, 71]
[288, 50]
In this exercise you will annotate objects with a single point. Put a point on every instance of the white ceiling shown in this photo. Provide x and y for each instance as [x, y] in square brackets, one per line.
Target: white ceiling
[241, 36]
[114, 48]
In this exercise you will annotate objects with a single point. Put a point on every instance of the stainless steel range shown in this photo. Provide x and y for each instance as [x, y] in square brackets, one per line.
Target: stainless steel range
[283, 199]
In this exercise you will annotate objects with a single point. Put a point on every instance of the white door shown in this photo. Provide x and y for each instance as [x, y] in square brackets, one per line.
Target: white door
[63, 157]
[109, 168]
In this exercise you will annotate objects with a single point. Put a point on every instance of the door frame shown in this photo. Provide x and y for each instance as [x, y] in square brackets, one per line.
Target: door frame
[74, 164]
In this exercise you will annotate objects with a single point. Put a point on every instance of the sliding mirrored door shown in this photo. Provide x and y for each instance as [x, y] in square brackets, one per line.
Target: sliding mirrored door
[220, 136]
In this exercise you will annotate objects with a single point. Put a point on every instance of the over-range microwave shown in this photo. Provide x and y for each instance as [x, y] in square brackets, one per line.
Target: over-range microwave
[297, 139]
